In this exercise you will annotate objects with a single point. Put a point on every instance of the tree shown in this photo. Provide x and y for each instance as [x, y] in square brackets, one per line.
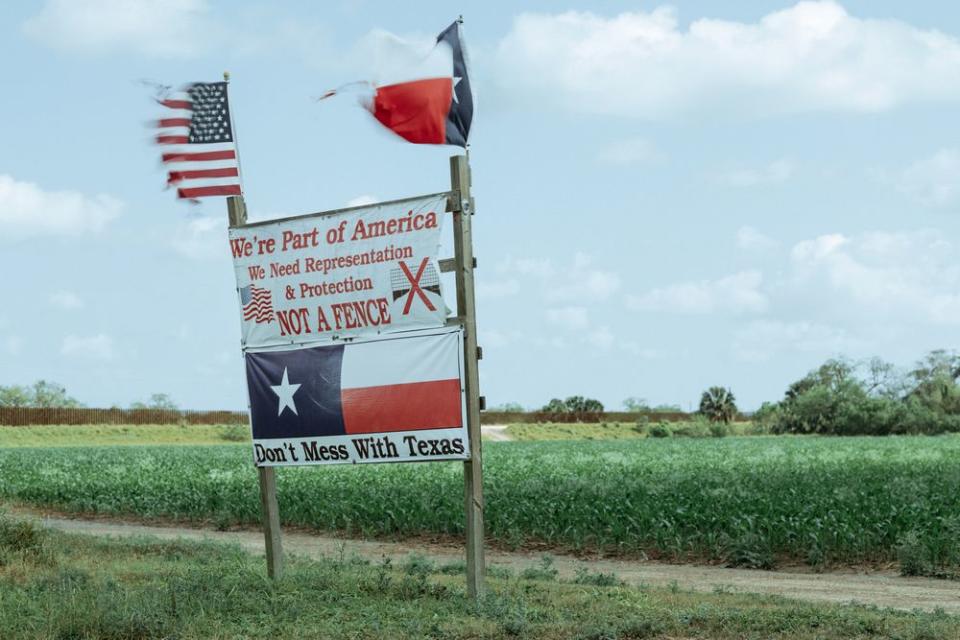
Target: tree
[42, 394]
[935, 380]
[580, 405]
[577, 406]
[508, 407]
[159, 401]
[634, 404]
[718, 405]
[555, 405]
[16, 396]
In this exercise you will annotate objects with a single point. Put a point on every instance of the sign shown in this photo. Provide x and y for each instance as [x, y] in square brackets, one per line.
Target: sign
[357, 272]
[387, 399]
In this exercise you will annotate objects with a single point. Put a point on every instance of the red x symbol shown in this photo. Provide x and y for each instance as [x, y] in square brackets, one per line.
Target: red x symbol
[415, 285]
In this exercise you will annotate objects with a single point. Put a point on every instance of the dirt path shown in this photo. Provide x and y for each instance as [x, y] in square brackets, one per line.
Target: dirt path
[495, 432]
[884, 589]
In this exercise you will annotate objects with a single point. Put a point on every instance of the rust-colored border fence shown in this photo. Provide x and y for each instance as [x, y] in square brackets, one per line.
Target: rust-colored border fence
[509, 417]
[24, 416]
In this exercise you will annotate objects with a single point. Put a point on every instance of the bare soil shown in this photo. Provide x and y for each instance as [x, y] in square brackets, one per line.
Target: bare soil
[883, 588]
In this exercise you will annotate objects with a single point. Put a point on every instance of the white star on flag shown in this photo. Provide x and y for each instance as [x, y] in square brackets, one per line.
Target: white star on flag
[456, 81]
[285, 392]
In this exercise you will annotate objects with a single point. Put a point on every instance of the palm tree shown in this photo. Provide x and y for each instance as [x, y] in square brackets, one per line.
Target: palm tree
[718, 404]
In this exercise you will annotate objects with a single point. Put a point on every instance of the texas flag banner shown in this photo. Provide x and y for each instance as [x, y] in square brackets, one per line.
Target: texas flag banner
[437, 109]
[399, 399]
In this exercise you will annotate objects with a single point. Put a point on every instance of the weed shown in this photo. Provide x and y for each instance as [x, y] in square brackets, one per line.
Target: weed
[542, 571]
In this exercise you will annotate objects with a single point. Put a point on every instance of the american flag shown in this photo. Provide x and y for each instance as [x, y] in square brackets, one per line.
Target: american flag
[257, 304]
[202, 155]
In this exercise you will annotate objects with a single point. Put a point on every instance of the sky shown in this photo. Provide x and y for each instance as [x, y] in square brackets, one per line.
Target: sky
[669, 196]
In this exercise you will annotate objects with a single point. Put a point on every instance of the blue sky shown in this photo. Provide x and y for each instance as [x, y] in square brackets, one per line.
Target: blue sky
[668, 196]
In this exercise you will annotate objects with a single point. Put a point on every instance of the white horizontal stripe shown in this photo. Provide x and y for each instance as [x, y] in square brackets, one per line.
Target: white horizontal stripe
[401, 361]
[206, 182]
[200, 166]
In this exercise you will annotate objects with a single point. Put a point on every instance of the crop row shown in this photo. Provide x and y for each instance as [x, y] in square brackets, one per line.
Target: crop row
[745, 501]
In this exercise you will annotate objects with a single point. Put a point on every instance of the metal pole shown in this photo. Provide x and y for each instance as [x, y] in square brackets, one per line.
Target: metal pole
[269, 509]
[466, 308]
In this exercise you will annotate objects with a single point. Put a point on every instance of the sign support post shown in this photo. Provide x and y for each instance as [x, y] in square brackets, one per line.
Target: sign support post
[466, 308]
[270, 511]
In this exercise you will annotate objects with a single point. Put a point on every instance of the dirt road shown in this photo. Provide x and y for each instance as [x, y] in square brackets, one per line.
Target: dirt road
[495, 432]
[884, 589]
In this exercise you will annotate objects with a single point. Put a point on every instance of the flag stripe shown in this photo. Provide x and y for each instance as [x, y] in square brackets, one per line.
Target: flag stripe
[169, 139]
[164, 123]
[202, 192]
[416, 111]
[402, 407]
[178, 176]
[177, 104]
[392, 362]
[203, 156]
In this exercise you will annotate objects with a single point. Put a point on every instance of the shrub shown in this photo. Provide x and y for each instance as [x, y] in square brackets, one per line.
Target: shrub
[660, 430]
[235, 433]
[719, 429]
[642, 425]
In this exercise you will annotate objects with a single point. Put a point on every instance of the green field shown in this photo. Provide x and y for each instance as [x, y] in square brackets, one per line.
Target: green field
[60, 586]
[111, 434]
[752, 502]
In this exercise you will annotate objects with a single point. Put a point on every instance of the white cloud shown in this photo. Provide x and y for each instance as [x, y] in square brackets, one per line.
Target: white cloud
[26, 210]
[66, 300]
[202, 238]
[913, 274]
[762, 340]
[934, 181]
[737, 293]
[812, 56]
[98, 347]
[538, 267]
[497, 288]
[579, 281]
[583, 281]
[628, 151]
[568, 317]
[777, 172]
[750, 239]
[600, 338]
[159, 28]
[363, 200]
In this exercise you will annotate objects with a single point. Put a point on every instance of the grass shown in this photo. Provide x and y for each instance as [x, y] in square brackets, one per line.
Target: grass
[575, 431]
[616, 430]
[111, 434]
[84, 588]
[752, 502]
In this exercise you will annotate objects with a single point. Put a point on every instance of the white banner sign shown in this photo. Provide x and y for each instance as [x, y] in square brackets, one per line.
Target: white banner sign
[363, 271]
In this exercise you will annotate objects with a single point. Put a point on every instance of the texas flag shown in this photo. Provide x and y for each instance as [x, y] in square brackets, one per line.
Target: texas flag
[406, 383]
[434, 109]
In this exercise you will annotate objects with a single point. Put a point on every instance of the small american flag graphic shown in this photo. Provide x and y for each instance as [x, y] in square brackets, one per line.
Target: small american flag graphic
[202, 151]
[257, 304]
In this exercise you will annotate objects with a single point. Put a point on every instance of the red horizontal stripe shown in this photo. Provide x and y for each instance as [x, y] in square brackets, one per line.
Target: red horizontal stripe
[172, 139]
[177, 104]
[203, 156]
[203, 192]
[402, 407]
[416, 111]
[173, 122]
[178, 176]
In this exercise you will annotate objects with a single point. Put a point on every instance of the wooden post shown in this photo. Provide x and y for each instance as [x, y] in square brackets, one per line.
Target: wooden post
[269, 510]
[466, 309]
